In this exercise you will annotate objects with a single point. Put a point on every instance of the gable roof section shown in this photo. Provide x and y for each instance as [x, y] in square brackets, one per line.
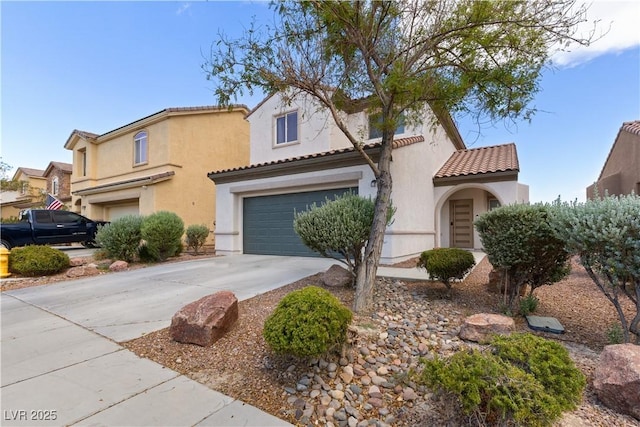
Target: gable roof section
[307, 163]
[497, 162]
[29, 172]
[633, 128]
[64, 167]
[152, 118]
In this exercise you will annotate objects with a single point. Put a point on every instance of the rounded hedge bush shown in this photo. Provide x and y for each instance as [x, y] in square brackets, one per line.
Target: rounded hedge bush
[522, 378]
[121, 238]
[306, 323]
[37, 261]
[162, 232]
[446, 264]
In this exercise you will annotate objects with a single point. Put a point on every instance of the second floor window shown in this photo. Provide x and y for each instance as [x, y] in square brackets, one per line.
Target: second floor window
[54, 186]
[83, 162]
[375, 125]
[140, 148]
[287, 128]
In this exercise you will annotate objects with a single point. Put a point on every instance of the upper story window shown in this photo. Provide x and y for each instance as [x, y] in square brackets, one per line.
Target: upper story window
[140, 147]
[375, 124]
[55, 186]
[287, 128]
[24, 188]
[82, 154]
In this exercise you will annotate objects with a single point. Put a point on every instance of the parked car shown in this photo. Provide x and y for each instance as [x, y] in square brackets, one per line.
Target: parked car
[49, 227]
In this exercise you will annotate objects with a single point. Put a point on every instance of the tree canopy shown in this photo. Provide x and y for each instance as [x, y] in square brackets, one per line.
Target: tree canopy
[395, 58]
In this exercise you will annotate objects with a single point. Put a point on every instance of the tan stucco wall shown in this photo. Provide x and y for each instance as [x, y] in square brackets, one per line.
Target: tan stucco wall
[188, 144]
[621, 172]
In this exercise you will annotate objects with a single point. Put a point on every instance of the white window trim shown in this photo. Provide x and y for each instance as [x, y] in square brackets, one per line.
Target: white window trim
[55, 186]
[275, 129]
[146, 148]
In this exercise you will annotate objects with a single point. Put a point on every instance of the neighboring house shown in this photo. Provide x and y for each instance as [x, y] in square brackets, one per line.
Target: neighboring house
[621, 171]
[58, 176]
[299, 157]
[157, 163]
[34, 184]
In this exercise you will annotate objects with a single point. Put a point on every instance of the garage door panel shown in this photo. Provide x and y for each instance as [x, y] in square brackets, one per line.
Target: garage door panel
[268, 221]
[118, 211]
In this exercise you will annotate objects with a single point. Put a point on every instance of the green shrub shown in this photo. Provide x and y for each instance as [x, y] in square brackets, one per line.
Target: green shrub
[446, 264]
[548, 361]
[528, 305]
[518, 382]
[196, 236]
[121, 238]
[604, 233]
[306, 323]
[615, 334]
[162, 233]
[520, 240]
[339, 228]
[37, 261]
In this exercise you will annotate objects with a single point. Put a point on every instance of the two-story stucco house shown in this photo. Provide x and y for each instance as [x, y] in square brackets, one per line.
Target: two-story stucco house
[157, 163]
[30, 194]
[621, 171]
[299, 156]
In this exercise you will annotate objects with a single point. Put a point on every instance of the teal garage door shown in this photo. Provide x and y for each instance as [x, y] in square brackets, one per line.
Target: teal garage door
[268, 221]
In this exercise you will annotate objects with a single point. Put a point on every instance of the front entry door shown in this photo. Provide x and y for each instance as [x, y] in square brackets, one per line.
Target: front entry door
[461, 232]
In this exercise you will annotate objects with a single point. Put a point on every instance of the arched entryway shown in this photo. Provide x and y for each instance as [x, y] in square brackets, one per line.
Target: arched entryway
[457, 209]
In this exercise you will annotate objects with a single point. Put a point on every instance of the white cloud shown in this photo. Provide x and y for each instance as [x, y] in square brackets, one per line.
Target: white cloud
[616, 30]
[183, 8]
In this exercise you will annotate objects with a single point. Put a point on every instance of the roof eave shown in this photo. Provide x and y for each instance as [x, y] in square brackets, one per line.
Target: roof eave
[484, 177]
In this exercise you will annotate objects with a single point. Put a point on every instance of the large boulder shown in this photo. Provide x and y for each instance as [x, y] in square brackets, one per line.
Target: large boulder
[119, 266]
[480, 327]
[337, 276]
[617, 378]
[82, 271]
[206, 320]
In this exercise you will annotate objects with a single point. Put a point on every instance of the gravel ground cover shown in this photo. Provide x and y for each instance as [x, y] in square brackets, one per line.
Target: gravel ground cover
[370, 383]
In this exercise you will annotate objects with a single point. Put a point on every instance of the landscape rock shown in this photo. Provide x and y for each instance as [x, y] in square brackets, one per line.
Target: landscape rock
[206, 320]
[83, 270]
[480, 327]
[119, 266]
[337, 276]
[617, 378]
[76, 262]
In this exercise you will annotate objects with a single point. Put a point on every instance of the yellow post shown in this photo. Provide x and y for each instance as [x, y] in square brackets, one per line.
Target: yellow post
[4, 263]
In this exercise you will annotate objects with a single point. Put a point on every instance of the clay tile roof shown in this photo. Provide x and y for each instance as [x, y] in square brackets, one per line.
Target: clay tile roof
[632, 127]
[398, 143]
[497, 158]
[84, 134]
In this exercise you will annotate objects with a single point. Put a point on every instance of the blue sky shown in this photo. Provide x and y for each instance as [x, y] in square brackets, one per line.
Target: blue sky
[96, 66]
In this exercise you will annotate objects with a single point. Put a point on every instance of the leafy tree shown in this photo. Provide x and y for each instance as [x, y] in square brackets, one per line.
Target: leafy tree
[339, 228]
[467, 56]
[520, 240]
[605, 234]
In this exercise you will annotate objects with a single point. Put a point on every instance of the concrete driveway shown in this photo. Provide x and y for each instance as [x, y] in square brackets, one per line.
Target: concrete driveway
[125, 305]
[61, 364]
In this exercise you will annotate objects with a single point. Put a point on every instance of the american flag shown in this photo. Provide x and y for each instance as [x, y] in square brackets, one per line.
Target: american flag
[53, 203]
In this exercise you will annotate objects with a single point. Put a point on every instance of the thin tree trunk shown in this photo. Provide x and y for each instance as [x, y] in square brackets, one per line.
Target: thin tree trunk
[366, 276]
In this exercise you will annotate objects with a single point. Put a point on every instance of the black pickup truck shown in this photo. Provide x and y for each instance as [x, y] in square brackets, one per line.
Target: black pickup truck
[49, 227]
